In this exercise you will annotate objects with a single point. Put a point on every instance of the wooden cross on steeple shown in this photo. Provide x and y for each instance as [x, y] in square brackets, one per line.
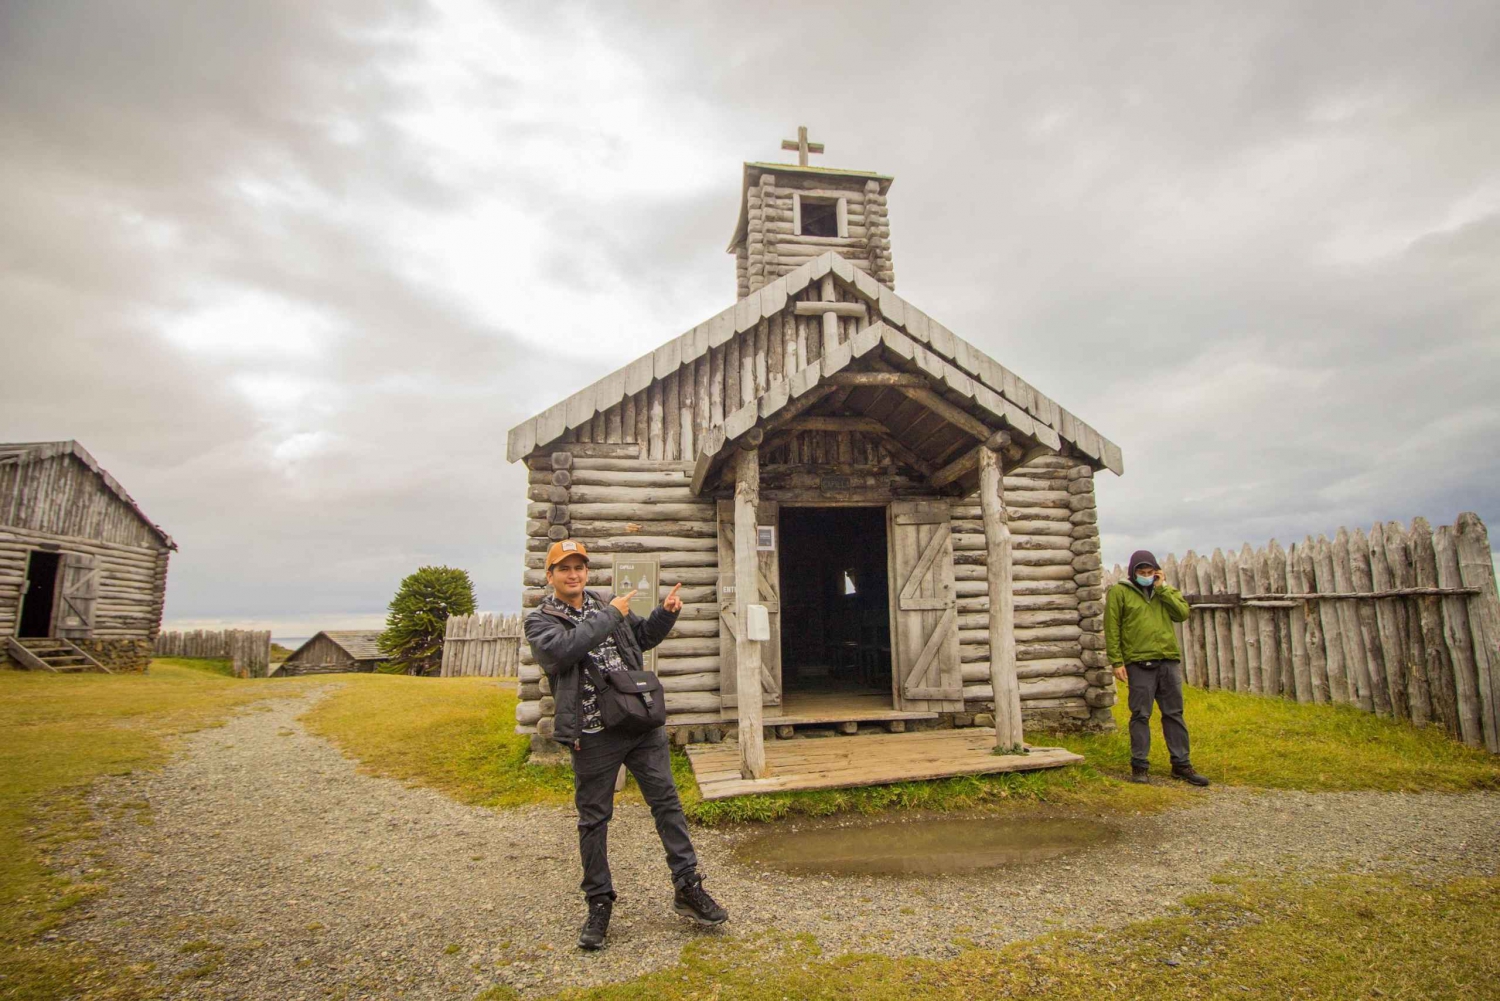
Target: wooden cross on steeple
[801, 145]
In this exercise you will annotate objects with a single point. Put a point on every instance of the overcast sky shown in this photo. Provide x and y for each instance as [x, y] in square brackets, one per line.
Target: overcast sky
[291, 270]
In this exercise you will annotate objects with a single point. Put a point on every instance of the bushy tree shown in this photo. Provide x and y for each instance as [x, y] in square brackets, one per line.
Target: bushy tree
[413, 637]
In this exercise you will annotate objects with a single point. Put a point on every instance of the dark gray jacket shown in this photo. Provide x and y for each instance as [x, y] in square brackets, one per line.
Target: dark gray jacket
[561, 646]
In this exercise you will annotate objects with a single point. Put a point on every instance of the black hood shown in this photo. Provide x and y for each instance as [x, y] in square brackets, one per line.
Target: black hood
[1141, 556]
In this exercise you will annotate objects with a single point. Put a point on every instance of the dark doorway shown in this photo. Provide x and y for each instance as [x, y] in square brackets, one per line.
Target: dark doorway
[835, 610]
[41, 594]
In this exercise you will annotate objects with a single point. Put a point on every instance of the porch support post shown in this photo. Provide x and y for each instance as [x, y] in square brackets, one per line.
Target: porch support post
[1003, 683]
[747, 592]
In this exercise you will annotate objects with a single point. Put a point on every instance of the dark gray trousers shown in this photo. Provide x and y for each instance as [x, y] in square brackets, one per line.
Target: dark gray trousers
[1157, 682]
[595, 765]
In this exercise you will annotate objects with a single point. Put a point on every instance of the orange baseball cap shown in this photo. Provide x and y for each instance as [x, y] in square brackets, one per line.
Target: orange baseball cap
[561, 550]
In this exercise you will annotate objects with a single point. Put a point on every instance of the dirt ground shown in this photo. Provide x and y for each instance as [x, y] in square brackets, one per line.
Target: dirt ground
[267, 866]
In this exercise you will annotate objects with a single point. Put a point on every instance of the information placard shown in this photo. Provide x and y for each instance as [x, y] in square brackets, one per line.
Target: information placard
[641, 574]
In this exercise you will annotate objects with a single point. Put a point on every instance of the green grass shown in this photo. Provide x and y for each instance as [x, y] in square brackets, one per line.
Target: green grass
[213, 665]
[455, 736]
[58, 735]
[1249, 740]
[1332, 937]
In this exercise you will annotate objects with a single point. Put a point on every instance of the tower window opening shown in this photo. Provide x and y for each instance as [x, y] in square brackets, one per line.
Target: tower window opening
[820, 217]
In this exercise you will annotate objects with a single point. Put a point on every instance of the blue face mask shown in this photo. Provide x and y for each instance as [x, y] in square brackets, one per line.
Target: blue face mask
[1146, 581]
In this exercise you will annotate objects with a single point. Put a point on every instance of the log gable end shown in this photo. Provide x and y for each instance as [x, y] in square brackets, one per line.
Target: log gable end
[762, 356]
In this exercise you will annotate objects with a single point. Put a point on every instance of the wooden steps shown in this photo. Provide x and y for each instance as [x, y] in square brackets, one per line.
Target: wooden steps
[50, 654]
[864, 760]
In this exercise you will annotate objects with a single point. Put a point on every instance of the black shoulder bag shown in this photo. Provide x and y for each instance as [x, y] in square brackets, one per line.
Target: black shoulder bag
[629, 701]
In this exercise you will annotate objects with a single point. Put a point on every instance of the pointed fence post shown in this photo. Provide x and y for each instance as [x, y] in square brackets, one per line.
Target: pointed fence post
[1477, 570]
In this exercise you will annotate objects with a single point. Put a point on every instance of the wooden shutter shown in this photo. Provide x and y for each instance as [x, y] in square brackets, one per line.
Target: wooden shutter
[769, 579]
[80, 593]
[924, 607]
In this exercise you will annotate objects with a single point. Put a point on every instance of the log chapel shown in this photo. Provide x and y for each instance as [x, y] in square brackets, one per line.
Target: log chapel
[917, 520]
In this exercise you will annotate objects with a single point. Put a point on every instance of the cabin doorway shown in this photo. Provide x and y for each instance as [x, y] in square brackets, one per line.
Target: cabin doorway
[41, 595]
[835, 607]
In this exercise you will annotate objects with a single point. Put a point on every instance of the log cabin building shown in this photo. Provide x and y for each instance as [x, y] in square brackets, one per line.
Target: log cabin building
[918, 521]
[334, 651]
[83, 571]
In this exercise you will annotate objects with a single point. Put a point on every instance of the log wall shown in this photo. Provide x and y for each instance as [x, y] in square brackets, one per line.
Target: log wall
[132, 582]
[624, 505]
[486, 646]
[1058, 587]
[1401, 620]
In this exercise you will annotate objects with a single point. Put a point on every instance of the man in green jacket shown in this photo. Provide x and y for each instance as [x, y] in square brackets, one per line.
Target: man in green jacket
[1138, 616]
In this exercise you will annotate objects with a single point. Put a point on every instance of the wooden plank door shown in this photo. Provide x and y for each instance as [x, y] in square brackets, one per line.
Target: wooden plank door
[769, 580]
[79, 595]
[924, 608]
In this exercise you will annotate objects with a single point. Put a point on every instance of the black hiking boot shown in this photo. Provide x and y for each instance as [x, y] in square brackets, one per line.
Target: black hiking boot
[591, 936]
[1139, 774]
[1186, 774]
[693, 901]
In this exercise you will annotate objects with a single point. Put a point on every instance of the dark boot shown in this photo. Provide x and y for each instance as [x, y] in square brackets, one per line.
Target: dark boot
[1188, 775]
[591, 936]
[692, 901]
[1140, 773]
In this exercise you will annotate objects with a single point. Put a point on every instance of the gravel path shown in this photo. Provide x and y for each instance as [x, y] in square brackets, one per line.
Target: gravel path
[271, 868]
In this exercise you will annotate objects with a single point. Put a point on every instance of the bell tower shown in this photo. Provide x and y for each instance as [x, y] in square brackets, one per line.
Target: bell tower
[793, 212]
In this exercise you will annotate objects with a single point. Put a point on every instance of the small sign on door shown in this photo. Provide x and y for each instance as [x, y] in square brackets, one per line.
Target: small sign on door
[765, 538]
[641, 574]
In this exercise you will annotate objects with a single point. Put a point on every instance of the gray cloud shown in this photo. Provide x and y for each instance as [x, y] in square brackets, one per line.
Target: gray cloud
[292, 270]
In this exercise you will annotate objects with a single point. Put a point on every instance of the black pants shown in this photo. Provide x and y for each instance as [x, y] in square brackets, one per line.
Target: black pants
[1157, 682]
[595, 765]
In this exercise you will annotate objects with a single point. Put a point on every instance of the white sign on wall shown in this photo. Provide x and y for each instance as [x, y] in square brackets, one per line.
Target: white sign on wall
[641, 574]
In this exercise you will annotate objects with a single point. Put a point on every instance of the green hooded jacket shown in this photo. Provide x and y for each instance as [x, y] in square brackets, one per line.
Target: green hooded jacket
[1138, 628]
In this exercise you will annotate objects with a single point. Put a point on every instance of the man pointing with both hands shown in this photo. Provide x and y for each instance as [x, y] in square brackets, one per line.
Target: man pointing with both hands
[574, 634]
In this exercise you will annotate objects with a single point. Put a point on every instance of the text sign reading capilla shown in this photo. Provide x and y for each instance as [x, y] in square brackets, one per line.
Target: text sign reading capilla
[641, 574]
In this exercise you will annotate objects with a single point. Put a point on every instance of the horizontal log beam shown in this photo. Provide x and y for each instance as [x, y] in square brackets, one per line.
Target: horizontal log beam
[867, 425]
[858, 309]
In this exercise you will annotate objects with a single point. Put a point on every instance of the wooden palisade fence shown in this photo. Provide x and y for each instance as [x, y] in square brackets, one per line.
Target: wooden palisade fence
[484, 645]
[248, 649]
[1399, 621]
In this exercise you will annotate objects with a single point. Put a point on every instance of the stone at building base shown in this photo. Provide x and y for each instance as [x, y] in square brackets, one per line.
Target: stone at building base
[1100, 721]
[120, 656]
[546, 751]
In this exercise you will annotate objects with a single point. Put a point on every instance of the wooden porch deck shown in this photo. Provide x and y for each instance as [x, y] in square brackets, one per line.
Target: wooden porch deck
[836, 707]
[864, 760]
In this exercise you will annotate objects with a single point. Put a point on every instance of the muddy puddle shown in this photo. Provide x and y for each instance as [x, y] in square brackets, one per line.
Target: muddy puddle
[933, 846]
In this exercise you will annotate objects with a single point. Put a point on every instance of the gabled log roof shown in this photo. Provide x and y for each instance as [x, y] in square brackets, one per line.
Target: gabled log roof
[38, 451]
[967, 377]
